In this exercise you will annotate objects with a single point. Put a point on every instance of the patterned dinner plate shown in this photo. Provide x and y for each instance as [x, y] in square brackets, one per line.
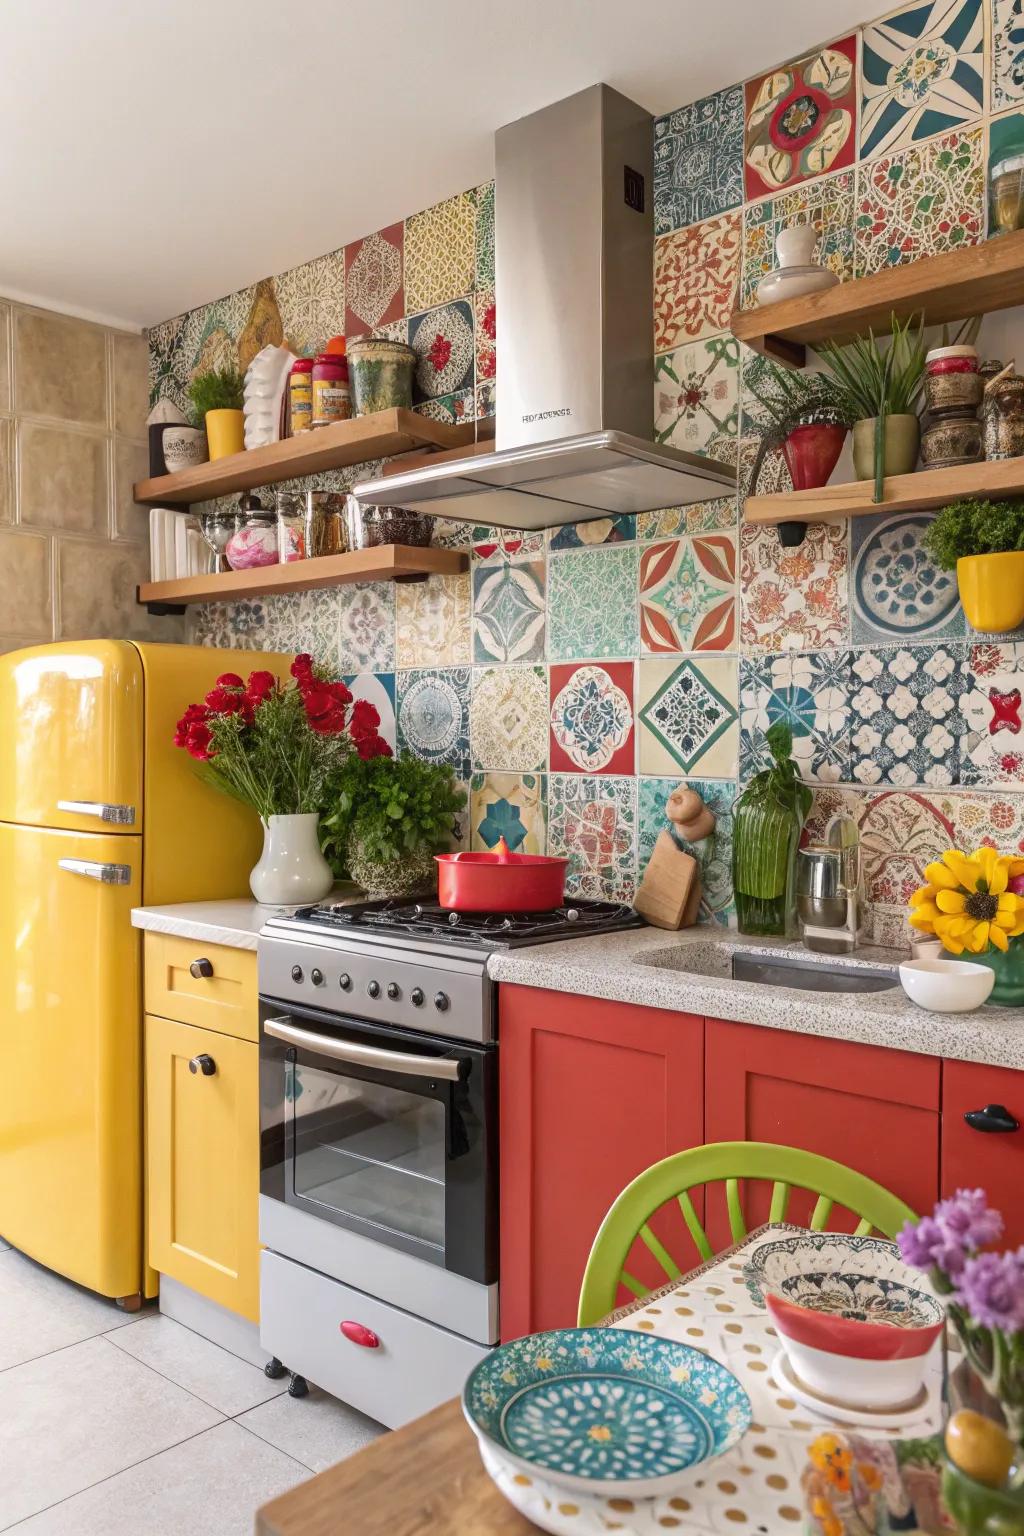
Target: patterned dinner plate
[605, 1410]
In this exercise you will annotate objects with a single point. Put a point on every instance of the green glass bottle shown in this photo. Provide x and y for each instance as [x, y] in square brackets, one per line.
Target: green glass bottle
[767, 820]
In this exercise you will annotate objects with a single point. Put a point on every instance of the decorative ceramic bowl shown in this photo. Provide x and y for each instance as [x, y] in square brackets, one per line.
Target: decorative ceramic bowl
[605, 1410]
[819, 1253]
[946, 986]
[184, 447]
[859, 1339]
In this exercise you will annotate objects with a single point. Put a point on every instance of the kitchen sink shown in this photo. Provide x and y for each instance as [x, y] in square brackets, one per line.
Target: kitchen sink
[725, 963]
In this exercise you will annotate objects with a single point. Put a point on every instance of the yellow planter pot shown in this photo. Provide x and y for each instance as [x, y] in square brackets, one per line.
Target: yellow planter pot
[225, 433]
[992, 591]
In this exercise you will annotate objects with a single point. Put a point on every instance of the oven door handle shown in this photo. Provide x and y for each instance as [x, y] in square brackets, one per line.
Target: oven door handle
[365, 1055]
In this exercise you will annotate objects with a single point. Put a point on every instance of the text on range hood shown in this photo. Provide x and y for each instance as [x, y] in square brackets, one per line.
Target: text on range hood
[574, 240]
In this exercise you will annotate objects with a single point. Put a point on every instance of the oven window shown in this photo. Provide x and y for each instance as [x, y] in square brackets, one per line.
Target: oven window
[374, 1152]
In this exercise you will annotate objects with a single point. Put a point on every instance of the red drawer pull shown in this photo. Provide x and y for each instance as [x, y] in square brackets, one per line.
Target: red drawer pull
[356, 1333]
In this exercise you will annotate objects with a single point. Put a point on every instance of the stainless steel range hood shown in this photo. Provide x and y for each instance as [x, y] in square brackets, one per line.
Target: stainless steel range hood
[574, 241]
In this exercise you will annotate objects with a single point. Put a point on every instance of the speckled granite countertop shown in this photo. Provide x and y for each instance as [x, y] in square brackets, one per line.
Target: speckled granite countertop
[690, 972]
[234, 923]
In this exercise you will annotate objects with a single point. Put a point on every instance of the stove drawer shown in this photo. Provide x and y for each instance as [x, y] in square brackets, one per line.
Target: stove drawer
[414, 1367]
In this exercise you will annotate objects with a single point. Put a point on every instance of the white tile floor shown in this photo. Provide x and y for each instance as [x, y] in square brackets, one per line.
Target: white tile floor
[113, 1424]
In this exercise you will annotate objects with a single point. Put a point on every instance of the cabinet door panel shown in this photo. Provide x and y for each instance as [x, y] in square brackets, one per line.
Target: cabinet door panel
[870, 1107]
[993, 1161]
[202, 1155]
[592, 1093]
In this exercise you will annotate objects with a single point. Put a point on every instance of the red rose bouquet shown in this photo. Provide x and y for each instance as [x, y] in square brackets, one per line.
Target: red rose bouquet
[275, 746]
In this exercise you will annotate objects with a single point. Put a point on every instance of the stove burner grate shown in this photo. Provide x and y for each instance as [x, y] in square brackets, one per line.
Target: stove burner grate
[422, 919]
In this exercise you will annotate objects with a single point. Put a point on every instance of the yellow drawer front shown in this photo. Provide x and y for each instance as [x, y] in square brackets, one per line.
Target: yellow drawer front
[211, 985]
[202, 1161]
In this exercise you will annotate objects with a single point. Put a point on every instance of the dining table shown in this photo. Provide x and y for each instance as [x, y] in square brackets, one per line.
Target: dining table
[797, 1468]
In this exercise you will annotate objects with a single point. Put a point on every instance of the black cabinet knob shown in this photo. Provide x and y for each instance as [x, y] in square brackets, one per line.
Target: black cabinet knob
[441, 1002]
[417, 997]
[373, 988]
[296, 973]
[394, 991]
[204, 1064]
[993, 1118]
[345, 981]
[317, 978]
[201, 969]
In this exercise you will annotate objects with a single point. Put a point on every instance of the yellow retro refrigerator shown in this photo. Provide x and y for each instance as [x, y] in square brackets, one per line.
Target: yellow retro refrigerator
[99, 813]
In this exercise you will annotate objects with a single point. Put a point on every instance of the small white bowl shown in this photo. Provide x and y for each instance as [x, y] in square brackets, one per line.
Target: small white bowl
[946, 986]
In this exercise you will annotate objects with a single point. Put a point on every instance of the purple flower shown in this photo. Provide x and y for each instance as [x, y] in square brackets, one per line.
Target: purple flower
[992, 1289]
[920, 1242]
[968, 1220]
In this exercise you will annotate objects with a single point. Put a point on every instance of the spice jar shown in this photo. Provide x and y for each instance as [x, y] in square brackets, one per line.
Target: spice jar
[952, 381]
[291, 534]
[1002, 415]
[951, 440]
[1006, 194]
[300, 395]
[254, 541]
[331, 398]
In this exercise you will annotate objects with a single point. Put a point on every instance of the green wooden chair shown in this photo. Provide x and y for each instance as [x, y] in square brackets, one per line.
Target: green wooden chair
[672, 1179]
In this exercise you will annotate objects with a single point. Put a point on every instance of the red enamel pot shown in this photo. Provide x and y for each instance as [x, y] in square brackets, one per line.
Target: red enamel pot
[500, 881]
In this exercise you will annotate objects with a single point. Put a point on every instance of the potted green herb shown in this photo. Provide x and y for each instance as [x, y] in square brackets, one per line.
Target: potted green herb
[217, 401]
[884, 389]
[983, 541]
[387, 820]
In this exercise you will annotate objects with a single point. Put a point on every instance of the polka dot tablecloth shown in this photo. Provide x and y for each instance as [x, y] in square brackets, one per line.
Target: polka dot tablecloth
[794, 1470]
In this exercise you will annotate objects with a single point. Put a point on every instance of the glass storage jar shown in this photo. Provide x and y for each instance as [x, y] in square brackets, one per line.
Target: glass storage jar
[254, 541]
[291, 527]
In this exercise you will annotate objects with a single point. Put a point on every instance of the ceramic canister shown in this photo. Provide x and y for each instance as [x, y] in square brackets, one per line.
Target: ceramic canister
[952, 381]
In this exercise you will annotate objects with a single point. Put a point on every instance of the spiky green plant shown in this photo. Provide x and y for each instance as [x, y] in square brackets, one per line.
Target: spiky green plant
[881, 383]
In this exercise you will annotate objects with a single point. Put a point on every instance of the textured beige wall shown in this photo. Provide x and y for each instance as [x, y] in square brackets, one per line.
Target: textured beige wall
[73, 545]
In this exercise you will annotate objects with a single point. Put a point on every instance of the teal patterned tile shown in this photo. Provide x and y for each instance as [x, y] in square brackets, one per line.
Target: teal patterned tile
[714, 854]
[508, 805]
[592, 603]
[508, 611]
[593, 822]
[688, 716]
[923, 72]
[698, 160]
[433, 716]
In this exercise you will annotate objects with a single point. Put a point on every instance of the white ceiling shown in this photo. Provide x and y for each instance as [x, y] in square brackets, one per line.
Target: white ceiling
[154, 157]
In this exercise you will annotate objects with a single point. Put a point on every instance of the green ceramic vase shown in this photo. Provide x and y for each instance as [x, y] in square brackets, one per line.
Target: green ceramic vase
[902, 442]
[1008, 991]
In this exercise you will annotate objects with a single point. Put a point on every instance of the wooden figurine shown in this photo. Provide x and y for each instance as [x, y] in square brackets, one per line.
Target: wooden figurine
[669, 894]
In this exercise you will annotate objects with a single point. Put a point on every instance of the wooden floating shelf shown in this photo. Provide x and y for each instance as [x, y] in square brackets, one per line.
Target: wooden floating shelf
[973, 280]
[925, 489]
[388, 562]
[346, 442]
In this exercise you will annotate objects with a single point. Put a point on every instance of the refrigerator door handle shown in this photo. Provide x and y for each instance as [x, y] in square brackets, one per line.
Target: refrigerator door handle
[107, 874]
[119, 815]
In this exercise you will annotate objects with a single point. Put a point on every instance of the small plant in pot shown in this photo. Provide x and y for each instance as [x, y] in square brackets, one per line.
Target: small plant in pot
[983, 541]
[884, 389]
[809, 416]
[217, 399]
[387, 819]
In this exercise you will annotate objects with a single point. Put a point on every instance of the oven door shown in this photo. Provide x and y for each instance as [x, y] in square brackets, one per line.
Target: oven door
[387, 1132]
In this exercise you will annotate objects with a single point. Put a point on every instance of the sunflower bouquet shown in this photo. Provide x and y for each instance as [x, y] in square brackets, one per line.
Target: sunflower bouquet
[971, 902]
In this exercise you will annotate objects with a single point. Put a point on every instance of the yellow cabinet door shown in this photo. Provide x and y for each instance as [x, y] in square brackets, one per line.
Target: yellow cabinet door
[202, 1161]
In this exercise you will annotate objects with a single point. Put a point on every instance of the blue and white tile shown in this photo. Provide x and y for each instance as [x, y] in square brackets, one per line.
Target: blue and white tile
[688, 716]
[620, 528]
[378, 689]
[808, 692]
[923, 73]
[714, 854]
[698, 160]
[366, 627]
[907, 723]
[433, 716]
[592, 603]
[897, 591]
[509, 610]
[1007, 54]
[592, 820]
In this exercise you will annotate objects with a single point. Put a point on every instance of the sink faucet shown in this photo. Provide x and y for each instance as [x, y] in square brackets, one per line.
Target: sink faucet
[828, 890]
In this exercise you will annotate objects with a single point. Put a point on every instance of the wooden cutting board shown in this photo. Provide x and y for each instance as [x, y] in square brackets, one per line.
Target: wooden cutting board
[669, 894]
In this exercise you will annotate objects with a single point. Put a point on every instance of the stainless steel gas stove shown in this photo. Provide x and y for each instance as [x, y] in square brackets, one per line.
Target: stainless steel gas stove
[379, 1142]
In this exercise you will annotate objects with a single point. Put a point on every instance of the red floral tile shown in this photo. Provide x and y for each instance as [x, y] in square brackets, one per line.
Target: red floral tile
[592, 718]
[374, 280]
[688, 594]
[801, 119]
[696, 279]
[486, 332]
[794, 599]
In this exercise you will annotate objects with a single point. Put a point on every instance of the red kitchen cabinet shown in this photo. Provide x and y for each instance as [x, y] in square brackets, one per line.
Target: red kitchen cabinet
[592, 1092]
[875, 1109]
[992, 1160]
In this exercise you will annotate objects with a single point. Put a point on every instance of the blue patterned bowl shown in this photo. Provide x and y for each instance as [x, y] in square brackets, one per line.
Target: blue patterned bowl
[605, 1410]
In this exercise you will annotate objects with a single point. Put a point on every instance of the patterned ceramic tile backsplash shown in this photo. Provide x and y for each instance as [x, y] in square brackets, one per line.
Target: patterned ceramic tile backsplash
[572, 679]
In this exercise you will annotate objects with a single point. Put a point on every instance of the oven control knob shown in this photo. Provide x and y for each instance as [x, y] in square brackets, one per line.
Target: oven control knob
[317, 978]
[296, 973]
[441, 1002]
[373, 988]
[417, 997]
[345, 981]
[394, 991]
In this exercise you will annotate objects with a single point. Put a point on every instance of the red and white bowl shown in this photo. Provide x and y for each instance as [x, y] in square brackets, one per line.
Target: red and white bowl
[861, 1340]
